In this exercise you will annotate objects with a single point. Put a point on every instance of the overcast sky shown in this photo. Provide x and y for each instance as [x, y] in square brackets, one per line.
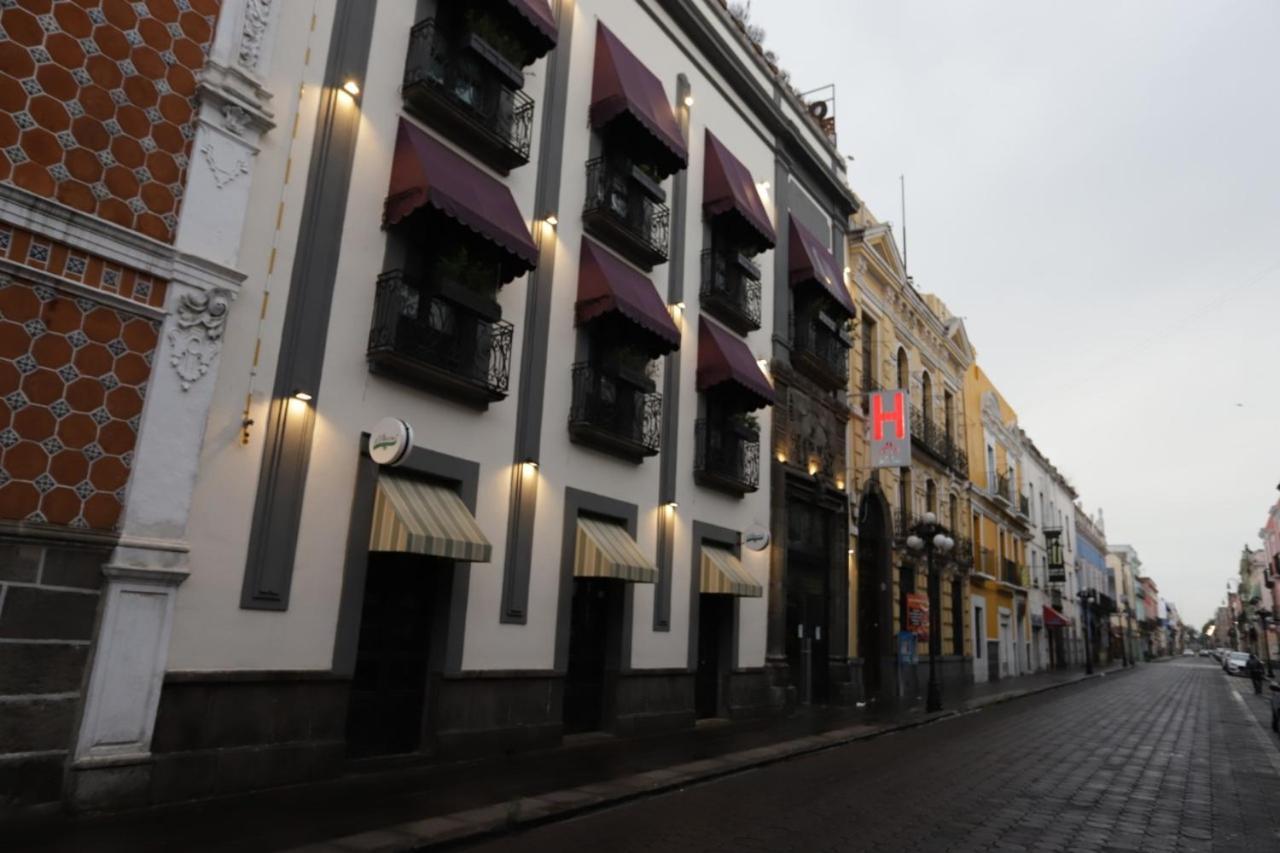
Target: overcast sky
[1095, 188]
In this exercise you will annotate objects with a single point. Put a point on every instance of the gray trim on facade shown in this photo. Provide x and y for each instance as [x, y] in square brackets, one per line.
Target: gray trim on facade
[667, 462]
[277, 511]
[781, 258]
[575, 502]
[700, 533]
[537, 329]
[464, 476]
[690, 16]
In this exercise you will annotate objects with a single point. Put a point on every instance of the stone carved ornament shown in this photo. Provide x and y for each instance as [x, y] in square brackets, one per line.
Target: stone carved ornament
[257, 17]
[196, 337]
[222, 175]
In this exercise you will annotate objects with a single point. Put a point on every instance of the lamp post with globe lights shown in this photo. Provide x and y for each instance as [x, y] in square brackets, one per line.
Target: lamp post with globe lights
[931, 537]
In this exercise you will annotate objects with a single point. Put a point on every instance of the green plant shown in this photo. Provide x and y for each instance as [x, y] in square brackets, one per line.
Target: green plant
[483, 24]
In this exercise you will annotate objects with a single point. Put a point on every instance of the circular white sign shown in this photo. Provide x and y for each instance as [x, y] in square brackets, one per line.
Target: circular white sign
[756, 538]
[389, 441]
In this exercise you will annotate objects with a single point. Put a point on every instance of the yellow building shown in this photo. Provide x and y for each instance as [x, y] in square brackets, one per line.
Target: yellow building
[906, 339]
[999, 639]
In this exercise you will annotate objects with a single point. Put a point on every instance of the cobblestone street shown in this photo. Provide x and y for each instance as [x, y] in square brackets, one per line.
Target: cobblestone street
[1166, 758]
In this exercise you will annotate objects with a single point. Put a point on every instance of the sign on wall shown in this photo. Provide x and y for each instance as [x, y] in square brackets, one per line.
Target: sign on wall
[756, 538]
[389, 441]
[918, 615]
[1057, 565]
[889, 429]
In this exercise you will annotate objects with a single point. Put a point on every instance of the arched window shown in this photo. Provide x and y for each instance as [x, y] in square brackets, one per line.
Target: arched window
[904, 374]
[931, 497]
[953, 519]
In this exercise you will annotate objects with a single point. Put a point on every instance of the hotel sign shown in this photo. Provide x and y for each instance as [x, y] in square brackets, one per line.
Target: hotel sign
[889, 429]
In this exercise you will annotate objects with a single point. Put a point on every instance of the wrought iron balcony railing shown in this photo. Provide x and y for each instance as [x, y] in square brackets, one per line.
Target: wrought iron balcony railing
[1011, 572]
[731, 290]
[1024, 506]
[821, 351]
[959, 462]
[1004, 488]
[726, 458]
[903, 521]
[621, 209]
[987, 562]
[962, 553]
[466, 88]
[437, 342]
[614, 414]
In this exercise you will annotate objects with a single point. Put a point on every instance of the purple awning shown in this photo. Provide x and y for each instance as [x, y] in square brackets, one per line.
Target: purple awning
[621, 84]
[723, 358]
[727, 186]
[809, 259]
[538, 14]
[606, 284]
[425, 172]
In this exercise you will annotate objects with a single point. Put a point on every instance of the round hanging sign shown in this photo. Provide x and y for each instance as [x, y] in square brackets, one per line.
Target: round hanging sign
[389, 441]
[756, 538]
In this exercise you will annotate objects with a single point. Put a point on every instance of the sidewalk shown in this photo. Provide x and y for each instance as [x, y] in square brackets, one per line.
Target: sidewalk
[418, 806]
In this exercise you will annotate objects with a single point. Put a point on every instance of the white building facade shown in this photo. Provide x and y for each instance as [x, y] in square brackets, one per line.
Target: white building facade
[489, 455]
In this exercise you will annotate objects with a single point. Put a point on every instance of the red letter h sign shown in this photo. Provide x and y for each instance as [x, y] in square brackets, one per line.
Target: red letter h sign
[896, 415]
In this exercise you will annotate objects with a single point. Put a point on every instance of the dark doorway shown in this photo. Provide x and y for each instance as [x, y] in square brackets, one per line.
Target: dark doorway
[595, 644]
[715, 650]
[872, 559]
[808, 636]
[389, 684]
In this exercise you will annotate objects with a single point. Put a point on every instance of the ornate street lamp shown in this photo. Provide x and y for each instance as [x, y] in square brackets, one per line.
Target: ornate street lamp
[929, 536]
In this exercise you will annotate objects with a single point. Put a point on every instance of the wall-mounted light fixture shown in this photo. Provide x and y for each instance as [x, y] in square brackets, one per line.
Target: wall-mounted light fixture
[529, 467]
[671, 505]
[551, 220]
[351, 87]
[304, 396]
[688, 100]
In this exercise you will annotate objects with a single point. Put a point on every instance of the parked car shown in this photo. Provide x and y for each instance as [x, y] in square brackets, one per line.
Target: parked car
[1204, 653]
[1235, 663]
[1188, 653]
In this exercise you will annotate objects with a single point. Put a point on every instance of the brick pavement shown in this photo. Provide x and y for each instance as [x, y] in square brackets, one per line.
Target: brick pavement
[1163, 759]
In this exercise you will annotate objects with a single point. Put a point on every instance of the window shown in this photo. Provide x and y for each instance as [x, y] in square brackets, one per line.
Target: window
[957, 616]
[949, 413]
[904, 375]
[926, 397]
[930, 496]
[868, 353]
[904, 494]
[953, 519]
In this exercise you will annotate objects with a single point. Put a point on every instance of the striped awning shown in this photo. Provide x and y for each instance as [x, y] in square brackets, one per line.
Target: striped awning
[416, 517]
[606, 550]
[723, 573]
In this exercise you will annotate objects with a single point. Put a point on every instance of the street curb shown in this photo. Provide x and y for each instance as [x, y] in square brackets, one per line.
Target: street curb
[528, 812]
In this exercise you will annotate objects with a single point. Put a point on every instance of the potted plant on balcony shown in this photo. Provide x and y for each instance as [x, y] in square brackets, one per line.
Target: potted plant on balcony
[489, 40]
[745, 425]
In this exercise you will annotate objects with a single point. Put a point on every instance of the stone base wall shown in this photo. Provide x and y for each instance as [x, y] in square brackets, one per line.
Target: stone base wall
[651, 701]
[222, 732]
[491, 713]
[751, 695]
[49, 600]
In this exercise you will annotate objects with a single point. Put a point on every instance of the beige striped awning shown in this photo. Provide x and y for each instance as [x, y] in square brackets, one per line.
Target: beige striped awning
[416, 517]
[723, 573]
[606, 550]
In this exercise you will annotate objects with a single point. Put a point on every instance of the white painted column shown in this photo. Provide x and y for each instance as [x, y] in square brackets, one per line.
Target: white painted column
[149, 563]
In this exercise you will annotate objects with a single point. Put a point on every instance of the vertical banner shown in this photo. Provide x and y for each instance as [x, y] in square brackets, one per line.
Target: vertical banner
[889, 429]
[918, 615]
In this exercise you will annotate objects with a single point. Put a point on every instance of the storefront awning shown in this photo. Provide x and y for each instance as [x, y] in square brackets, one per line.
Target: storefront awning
[1054, 619]
[607, 284]
[604, 549]
[622, 85]
[808, 259]
[723, 359]
[727, 187]
[722, 572]
[416, 517]
[538, 14]
[426, 173]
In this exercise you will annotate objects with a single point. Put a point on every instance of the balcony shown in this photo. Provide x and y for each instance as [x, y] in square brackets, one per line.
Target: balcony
[1004, 489]
[868, 385]
[731, 290]
[987, 562]
[614, 414]
[930, 437]
[436, 337]
[962, 553]
[726, 457]
[1011, 572]
[471, 93]
[903, 521]
[959, 462]
[623, 208]
[821, 349]
[1024, 506]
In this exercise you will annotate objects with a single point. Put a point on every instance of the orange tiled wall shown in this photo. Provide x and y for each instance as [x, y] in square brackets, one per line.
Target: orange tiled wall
[98, 103]
[73, 377]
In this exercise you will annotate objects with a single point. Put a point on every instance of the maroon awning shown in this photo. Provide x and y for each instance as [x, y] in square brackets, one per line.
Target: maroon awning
[723, 358]
[727, 186]
[538, 14]
[621, 84]
[425, 172]
[1054, 619]
[606, 284]
[809, 260]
